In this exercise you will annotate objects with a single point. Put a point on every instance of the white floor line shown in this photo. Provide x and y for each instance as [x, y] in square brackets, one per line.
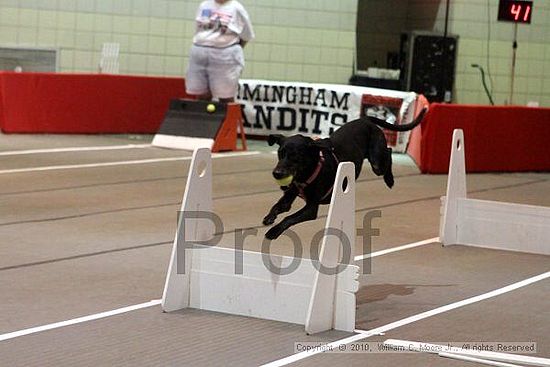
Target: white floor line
[16, 334]
[452, 352]
[75, 149]
[78, 320]
[120, 163]
[398, 248]
[409, 320]
[477, 360]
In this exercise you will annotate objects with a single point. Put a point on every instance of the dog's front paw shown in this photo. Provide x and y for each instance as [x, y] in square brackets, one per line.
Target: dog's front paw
[273, 233]
[269, 219]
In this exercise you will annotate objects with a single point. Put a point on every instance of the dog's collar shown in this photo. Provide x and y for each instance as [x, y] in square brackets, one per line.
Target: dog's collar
[317, 169]
[313, 177]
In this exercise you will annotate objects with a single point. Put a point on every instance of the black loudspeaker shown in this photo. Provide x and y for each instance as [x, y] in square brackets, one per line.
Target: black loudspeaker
[428, 64]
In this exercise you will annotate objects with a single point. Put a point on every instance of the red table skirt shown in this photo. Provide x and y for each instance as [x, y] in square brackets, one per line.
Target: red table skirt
[84, 103]
[496, 138]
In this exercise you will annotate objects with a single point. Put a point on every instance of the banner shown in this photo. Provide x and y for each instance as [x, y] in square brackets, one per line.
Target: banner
[309, 109]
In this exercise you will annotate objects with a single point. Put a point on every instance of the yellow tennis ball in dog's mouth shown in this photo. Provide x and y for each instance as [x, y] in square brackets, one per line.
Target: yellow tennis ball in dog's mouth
[211, 108]
[285, 181]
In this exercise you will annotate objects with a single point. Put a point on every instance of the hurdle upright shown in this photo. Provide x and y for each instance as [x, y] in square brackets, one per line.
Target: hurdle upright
[206, 277]
[490, 224]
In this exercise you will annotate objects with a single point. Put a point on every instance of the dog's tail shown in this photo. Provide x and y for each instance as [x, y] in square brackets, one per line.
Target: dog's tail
[406, 127]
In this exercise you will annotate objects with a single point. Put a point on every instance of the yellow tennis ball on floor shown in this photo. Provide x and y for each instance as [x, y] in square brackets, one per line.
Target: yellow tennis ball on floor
[211, 108]
[285, 181]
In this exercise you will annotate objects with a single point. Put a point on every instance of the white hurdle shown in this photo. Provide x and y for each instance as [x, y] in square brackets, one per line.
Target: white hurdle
[306, 296]
[489, 224]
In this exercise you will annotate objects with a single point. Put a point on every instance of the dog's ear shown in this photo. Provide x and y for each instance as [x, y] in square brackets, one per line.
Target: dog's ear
[274, 139]
[322, 143]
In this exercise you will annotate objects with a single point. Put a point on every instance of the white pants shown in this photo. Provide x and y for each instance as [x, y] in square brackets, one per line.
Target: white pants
[214, 70]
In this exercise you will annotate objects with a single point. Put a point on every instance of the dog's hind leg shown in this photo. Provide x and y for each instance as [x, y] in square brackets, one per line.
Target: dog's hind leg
[281, 206]
[381, 162]
[308, 212]
[388, 178]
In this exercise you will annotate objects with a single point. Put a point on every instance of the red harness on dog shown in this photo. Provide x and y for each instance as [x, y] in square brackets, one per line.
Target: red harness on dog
[302, 186]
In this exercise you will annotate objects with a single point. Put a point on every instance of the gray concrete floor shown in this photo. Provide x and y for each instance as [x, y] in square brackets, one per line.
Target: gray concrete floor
[84, 240]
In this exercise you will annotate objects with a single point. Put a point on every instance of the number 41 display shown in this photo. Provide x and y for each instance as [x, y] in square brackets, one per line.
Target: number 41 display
[516, 11]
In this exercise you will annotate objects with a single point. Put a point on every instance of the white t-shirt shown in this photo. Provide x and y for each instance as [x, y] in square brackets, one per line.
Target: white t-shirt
[222, 25]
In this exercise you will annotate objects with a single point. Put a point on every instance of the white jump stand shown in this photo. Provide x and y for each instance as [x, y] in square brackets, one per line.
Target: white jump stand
[490, 224]
[306, 296]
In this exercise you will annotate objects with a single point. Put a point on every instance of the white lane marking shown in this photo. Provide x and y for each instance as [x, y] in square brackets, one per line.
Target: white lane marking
[65, 323]
[398, 248]
[362, 334]
[477, 360]
[120, 163]
[409, 320]
[415, 346]
[75, 149]
[78, 320]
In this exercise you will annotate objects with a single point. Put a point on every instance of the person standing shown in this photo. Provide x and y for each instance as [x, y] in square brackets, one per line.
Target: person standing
[216, 59]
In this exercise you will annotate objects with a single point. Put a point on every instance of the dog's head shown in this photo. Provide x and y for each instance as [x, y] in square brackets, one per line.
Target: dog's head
[297, 155]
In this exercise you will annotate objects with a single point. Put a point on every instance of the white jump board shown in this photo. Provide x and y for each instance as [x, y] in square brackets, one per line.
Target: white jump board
[209, 280]
[507, 226]
[489, 224]
[260, 293]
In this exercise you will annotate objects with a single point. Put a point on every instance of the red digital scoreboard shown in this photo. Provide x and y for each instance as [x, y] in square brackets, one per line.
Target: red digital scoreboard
[516, 11]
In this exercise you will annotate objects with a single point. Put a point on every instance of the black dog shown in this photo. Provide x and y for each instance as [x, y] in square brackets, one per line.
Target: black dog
[310, 165]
